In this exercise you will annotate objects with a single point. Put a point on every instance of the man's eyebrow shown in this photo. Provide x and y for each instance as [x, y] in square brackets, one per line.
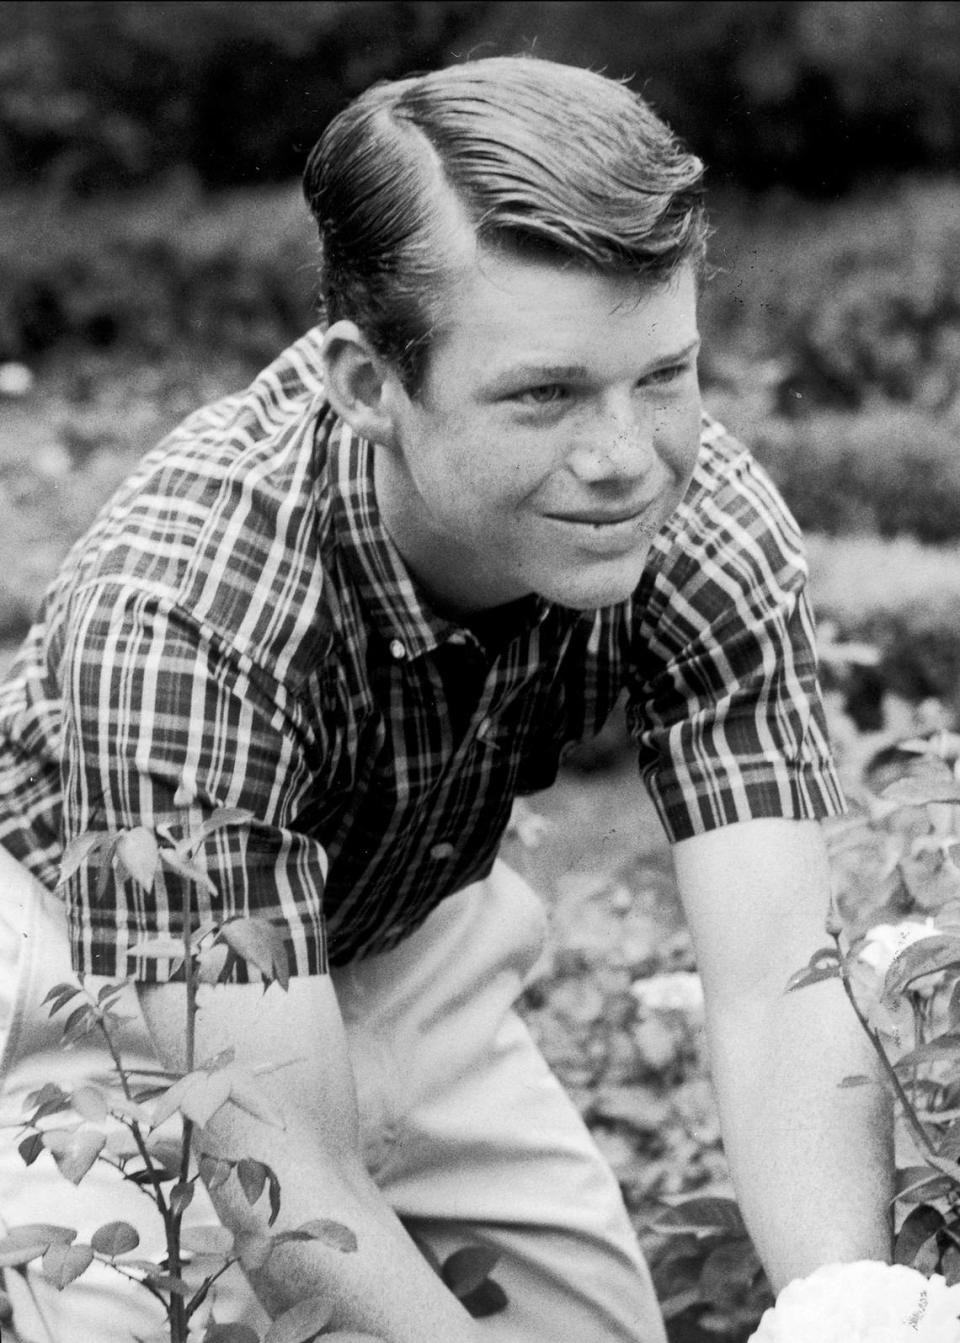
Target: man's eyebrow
[505, 379]
[527, 374]
[675, 357]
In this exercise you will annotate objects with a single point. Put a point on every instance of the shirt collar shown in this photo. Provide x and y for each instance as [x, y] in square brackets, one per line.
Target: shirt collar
[386, 588]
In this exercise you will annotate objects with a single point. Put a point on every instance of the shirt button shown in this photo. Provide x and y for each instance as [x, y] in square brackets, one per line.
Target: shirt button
[441, 852]
[397, 650]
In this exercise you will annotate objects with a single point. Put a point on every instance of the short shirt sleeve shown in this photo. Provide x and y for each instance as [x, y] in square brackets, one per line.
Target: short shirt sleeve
[161, 727]
[725, 705]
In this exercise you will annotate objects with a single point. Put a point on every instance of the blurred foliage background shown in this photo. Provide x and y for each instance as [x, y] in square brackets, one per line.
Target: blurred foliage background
[814, 95]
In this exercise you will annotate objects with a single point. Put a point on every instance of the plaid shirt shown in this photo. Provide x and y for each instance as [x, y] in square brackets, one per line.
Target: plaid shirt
[237, 630]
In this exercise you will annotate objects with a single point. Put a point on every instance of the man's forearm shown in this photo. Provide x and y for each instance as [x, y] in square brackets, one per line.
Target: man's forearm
[384, 1287]
[812, 1162]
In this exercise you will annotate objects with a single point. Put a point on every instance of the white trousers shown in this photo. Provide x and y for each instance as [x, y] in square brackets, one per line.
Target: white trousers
[465, 1130]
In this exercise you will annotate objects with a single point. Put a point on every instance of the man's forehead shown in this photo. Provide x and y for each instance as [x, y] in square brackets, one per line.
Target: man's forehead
[550, 311]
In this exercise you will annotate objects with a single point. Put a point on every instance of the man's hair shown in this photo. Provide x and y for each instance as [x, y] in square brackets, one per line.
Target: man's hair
[541, 158]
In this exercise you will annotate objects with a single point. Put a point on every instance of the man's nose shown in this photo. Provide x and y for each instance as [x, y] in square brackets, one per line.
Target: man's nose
[618, 447]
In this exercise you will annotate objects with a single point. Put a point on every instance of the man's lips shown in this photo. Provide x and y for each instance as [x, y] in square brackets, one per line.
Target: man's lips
[603, 517]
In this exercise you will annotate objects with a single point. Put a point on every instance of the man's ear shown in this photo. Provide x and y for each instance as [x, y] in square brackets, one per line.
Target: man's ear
[361, 387]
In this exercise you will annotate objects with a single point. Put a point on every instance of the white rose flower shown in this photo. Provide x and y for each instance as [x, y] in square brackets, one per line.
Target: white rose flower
[681, 991]
[866, 1302]
[885, 941]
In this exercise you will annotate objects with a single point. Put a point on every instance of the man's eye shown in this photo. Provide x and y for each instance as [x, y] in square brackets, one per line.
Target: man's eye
[668, 374]
[546, 395]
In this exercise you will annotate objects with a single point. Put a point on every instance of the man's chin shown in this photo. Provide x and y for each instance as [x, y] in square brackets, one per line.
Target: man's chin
[589, 591]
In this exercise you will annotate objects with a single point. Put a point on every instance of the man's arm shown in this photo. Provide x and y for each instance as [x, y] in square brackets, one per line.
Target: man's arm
[812, 1164]
[386, 1286]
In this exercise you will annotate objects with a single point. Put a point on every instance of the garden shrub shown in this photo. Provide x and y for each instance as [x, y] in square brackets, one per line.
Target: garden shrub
[900, 597]
[889, 469]
[154, 271]
[97, 94]
[808, 93]
[843, 303]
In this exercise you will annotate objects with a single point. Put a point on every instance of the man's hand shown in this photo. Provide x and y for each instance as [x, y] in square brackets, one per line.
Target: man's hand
[386, 1287]
[812, 1164]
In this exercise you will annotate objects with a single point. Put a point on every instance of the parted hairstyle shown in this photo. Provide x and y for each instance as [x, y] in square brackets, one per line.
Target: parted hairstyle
[541, 158]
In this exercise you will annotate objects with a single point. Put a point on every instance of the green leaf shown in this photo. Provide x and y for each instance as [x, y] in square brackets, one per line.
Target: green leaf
[63, 1263]
[230, 1333]
[74, 1152]
[728, 1272]
[49, 1091]
[115, 1238]
[252, 1176]
[943, 1047]
[22, 1254]
[180, 1198]
[921, 958]
[917, 1183]
[213, 1171]
[222, 817]
[59, 995]
[80, 1020]
[803, 978]
[137, 854]
[90, 1103]
[464, 1270]
[273, 1187]
[31, 1147]
[21, 1244]
[51, 1233]
[165, 1154]
[919, 1226]
[166, 1282]
[674, 1305]
[205, 1094]
[701, 1215]
[213, 961]
[158, 948]
[248, 1095]
[198, 1096]
[77, 852]
[823, 964]
[188, 871]
[260, 944]
[106, 867]
[332, 1234]
[48, 1100]
[302, 1322]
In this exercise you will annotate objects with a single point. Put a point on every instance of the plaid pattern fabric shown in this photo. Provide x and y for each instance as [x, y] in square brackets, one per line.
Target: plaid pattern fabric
[238, 630]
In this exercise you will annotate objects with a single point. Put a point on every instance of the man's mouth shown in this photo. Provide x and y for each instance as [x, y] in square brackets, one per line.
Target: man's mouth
[605, 517]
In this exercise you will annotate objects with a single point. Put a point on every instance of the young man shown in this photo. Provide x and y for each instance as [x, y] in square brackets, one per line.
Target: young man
[371, 599]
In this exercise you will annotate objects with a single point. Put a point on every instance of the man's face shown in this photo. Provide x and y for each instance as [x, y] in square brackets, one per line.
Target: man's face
[555, 432]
